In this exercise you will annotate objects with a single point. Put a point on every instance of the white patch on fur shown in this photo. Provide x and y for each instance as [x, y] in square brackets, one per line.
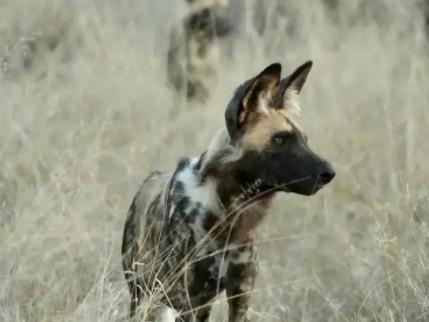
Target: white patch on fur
[242, 257]
[172, 210]
[205, 194]
[167, 314]
[263, 103]
[291, 101]
[198, 228]
[220, 267]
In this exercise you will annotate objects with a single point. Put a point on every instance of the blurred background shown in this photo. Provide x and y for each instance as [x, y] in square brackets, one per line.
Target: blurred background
[88, 110]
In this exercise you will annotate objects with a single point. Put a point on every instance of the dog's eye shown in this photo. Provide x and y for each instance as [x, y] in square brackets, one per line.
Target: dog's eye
[280, 138]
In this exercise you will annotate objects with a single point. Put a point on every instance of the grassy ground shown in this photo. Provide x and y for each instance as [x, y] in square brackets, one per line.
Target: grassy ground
[85, 116]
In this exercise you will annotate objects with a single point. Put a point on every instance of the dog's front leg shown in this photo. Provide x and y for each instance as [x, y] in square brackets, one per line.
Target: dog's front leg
[240, 280]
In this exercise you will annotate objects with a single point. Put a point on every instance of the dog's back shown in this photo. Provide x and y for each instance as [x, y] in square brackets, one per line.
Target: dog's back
[147, 202]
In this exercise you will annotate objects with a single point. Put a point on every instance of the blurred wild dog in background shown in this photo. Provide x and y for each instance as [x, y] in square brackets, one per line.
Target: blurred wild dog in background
[189, 234]
[193, 53]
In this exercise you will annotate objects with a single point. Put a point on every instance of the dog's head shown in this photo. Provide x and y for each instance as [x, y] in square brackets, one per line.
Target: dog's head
[273, 149]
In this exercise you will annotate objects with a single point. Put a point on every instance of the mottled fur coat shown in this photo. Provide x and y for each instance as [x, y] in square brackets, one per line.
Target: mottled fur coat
[189, 233]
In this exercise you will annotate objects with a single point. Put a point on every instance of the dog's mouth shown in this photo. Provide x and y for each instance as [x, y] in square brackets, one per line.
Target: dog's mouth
[317, 187]
[306, 186]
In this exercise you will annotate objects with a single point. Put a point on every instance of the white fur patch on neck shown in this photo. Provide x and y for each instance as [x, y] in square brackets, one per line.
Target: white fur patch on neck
[203, 193]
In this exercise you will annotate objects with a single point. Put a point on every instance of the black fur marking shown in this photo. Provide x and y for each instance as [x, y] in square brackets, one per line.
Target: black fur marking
[198, 165]
[209, 21]
[182, 204]
[206, 281]
[193, 214]
[183, 163]
[179, 188]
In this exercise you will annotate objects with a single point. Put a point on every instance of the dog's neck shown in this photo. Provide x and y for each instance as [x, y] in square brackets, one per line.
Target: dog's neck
[243, 202]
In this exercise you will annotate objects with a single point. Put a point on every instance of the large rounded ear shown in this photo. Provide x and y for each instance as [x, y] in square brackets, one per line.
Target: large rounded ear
[289, 88]
[250, 99]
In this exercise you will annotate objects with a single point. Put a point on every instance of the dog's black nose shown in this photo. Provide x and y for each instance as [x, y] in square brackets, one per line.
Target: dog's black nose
[327, 174]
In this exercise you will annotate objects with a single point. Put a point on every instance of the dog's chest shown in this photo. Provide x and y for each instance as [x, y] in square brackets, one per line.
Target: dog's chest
[195, 221]
[207, 275]
[211, 272]
[213, 261]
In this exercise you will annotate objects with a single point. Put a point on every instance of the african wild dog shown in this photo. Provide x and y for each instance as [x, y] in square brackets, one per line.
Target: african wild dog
[189, 234]
[193, 53]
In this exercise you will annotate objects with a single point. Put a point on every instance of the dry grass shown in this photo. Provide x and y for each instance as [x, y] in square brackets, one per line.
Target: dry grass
[85, 116]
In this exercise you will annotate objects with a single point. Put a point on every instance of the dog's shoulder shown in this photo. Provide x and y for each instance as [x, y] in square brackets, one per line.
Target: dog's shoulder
[150, 190]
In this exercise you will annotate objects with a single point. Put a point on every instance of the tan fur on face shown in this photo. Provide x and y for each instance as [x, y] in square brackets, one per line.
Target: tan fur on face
[258, 133]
